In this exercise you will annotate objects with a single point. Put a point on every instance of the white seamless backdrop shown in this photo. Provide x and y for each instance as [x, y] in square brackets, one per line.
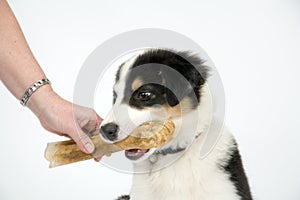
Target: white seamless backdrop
[255, 46]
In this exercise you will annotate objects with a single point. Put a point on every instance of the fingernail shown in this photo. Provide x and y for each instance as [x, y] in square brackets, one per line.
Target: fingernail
[89, 147]
[97, 159]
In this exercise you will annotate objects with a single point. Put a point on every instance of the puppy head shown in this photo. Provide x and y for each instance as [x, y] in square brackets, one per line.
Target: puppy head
[155, 85]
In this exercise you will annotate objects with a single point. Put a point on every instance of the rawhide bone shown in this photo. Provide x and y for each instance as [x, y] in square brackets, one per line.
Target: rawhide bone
[148, 135]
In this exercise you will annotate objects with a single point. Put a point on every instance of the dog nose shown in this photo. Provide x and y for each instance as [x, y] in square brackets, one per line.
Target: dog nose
[109, 131]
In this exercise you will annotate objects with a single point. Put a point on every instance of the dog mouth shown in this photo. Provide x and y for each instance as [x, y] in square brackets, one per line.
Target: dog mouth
[134, 154]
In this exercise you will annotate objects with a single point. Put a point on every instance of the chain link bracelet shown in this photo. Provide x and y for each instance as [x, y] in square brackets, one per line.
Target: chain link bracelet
[32, 89]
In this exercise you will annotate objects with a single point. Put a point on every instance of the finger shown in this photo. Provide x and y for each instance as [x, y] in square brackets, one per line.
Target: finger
[92, 125]
[96, 129]
[97, 159]
[94, 132]
[84, 142]
[99, 120]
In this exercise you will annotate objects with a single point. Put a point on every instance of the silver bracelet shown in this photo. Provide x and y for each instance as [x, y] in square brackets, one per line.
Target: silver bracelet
[32, 89]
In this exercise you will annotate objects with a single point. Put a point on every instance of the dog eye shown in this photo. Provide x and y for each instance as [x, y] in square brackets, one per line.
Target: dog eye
[144, 96]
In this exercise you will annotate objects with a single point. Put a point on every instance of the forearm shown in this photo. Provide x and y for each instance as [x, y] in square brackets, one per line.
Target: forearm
[18, 67]
[19, 70]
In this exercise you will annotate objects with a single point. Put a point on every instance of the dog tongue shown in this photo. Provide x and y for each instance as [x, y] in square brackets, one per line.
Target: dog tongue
[134, 154]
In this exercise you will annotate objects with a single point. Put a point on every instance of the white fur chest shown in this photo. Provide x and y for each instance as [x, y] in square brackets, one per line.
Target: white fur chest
[189, 178]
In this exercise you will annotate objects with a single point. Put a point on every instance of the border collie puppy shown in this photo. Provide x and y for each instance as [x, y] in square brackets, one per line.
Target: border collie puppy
[161, 84]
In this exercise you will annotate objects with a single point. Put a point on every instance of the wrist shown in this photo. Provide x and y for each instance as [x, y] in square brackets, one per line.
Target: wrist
[41, 100]
[32, 89]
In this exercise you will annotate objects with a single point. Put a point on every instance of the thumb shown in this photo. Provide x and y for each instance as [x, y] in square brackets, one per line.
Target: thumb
[84, 142]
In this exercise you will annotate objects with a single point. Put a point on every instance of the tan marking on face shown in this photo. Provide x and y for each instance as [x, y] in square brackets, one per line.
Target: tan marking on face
[169, 112]
[136, 83]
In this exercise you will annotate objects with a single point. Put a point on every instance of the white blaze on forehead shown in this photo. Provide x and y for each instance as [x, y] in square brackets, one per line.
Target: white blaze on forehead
[119, 86]
[122, 114]
[125, 68]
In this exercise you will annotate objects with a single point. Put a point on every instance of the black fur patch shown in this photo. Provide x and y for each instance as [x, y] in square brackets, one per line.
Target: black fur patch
[156, 96]
[117, 78]
[192, 75]
[237, 175]
[114, 97]
[170, 150]
[123, 197]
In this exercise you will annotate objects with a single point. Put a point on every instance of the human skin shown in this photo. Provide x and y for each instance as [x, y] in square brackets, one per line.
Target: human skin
[19, 70]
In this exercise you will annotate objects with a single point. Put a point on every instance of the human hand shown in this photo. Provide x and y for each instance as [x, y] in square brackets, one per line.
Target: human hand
[19, 69]
[64, 118]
